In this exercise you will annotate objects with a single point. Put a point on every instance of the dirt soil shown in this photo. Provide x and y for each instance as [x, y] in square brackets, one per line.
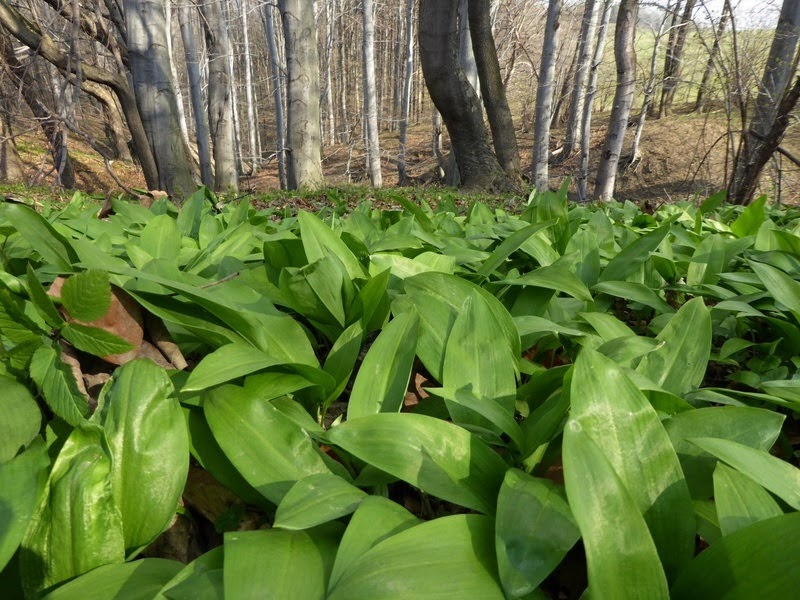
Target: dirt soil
[682, 156]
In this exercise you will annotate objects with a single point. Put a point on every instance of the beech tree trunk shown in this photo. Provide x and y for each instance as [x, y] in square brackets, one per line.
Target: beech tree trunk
[370, 95]
[504, 137]
[220, 103]
[544, 98]
[302, 67]
[625, 58]
[454, 97]
[582, 70]
[277, 92]
[145, 21]
[674, 60]
[406, 102]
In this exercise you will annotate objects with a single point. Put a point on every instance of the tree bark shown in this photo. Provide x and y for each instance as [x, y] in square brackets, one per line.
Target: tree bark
[582, 69]
[249, 90]
[504, 137]
[625, 58]
[454, 97]
[674, 60]
[145, 23]
[304, 135]
[277, 92]
[370, 95]
[220, 106]
[406, 102]
[702, 90]
[544, 98]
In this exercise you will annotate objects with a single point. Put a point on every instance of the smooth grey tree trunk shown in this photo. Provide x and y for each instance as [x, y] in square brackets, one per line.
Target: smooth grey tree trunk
[504, 137]
[466, 55]
[781, 64]
[544, 98]
[582, 69]
[625, 58]
[145, 21]
[196, 95]
[713, 56]
[277, 92]
[406, 102]
[370, 95]
[175, 81]
[455, 98]
[674, 60]
[249, 90]
[220, 103]
[302, 67]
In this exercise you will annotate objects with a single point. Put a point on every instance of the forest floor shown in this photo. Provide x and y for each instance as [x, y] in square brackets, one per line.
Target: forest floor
[682, 156]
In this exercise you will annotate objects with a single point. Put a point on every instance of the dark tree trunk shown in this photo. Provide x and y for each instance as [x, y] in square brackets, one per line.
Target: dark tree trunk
[455, 98]
[702, 90]
[674, 60]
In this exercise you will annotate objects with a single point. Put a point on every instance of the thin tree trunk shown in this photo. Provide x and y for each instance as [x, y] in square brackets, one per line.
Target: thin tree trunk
[174, 74]
[436, 142]
[196, 95]
[702, 90]
[544, 98]
[504, 137]
[277, 93]
[674, 65]
[250, 95]
[625, 58]
[220, 102]
[591, 90]
[583, 67]
[406, 104]
[370, 96]
[466, 55]
[304, 135]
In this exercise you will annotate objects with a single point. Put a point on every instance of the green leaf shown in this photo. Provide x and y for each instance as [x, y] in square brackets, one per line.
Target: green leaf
[43, 302]
[534, 530]
[620, 420]
[740, 500]
[509, 245]
[226, 364]
[382, 379]
[315, 500]
[138, 580]
[778, 476]
[269, 449]
[160, 238]
[77, 525]
[319, 240]
[87, 295]
[41, 236]
[95, 340]
[57, 384]
[21, 420]
[275, 564]
[621, 557]
[201, 579]
[708, 261]
[450, 557]
[680, 364]
[758, 561]
[780, 286]
[438, 457]
[556, 278]
[755, 427]
[22, 482]
[149, 444]
[342, 359]
[375, 519]
[634, 255]
[634, 292]
[749, 222]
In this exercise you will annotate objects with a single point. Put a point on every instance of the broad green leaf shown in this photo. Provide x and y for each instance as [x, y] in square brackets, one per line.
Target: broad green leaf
[375, 519]
[780, 286]
[624, 349]
[755, 427]
[477, 354]
[778, 476]
[41, 236]
[316, 290]
[269, 449]
[342, 359]
[438, 457]
[226, 364]
[740, 500]
[319, 240]
[56, 382]
[201, 579]
[556, 278]
[607, 326]
[450, 557]
[785, 389]
[622, 423]
[160, 238]
[749, 222]
[94, 340]
[22, 482]
[634, 292]
[708, 261]
[680, 364]
[509, 245]
[43, 302]
[630, 258]
[705, 511]
[315, 500]
[149, 445]
[275, 564]
[138, 580]
[77, 525]
[534, 530]
[382, 379]
[758, 561]
[87, 295]
[192, 211]
[21, 420]
[621, 557]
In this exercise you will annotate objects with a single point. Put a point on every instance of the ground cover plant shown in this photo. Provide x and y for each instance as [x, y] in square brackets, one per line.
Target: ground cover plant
[399, 403]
